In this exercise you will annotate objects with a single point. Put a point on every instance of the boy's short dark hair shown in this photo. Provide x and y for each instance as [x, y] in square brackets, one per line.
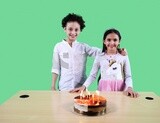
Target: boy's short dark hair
[71, 17]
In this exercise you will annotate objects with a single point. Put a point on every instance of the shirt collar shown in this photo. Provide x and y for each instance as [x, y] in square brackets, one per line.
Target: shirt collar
[73, 43]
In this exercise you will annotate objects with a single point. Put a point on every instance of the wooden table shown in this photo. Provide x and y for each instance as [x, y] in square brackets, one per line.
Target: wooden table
[57, 107]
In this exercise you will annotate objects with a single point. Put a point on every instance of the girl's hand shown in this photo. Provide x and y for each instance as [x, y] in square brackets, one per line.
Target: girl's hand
[131, 93]
[78, 90]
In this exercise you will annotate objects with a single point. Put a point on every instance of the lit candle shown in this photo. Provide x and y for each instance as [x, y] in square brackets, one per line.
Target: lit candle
[81, 95]
[93, 98]
[88, 94]
[97, 92]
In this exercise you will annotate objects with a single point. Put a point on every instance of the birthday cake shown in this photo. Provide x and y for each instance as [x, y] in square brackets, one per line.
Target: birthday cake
[91, 105]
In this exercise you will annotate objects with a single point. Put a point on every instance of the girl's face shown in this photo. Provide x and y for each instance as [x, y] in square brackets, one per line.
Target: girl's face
[111, 42]
[72, 30]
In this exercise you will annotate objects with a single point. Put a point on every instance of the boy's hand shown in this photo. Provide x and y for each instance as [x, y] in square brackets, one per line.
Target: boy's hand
[123, 51]
[53, 89]
[78, 90]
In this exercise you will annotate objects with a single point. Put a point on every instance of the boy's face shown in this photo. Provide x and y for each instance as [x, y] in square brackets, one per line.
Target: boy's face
[72, 30]
[112, 41]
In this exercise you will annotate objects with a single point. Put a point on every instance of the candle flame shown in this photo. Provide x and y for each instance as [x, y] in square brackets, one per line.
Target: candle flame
[81, 94]
[87, 90]
[97, 92]
[88, 93]
[93, 96]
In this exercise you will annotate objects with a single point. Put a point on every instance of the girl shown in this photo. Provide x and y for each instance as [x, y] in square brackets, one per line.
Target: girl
[114, 67]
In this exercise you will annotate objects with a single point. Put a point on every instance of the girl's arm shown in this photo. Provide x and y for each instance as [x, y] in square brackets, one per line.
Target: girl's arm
[91, 78]
[93, 73]
[127, 73]
[128, 80]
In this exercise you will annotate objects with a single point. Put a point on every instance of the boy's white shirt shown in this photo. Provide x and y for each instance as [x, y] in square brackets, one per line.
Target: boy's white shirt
[70, 63]
[101, 62]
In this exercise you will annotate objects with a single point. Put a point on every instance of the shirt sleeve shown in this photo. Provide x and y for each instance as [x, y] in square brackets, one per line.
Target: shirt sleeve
[93, 73]
[56, 61]
[92, 51]
[127, 73]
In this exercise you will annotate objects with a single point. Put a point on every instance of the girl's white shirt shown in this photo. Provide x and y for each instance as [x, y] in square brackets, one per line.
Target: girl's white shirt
[120, 70]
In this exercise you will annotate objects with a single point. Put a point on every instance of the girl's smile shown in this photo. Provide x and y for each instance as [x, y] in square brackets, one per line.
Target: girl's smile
[111, 42]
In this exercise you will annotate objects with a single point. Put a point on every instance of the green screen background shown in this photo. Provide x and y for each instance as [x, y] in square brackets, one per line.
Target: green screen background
[29, 29]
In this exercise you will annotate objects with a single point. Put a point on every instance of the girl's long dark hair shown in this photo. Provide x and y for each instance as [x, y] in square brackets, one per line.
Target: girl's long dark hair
[107, 32]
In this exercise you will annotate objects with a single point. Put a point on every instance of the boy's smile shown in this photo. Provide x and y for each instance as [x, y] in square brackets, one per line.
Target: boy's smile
[72, 30]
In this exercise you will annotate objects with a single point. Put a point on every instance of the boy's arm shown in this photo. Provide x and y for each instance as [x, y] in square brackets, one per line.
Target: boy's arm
[55, 67]
[92, 51]
[54, 79]
[122, 51]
